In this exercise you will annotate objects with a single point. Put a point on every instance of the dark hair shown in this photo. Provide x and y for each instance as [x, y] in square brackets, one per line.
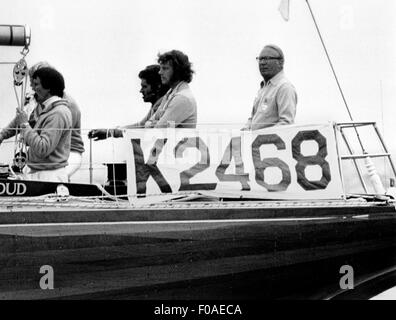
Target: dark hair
[182, 70]
[38, 65]
[151, 75]
[51, 79]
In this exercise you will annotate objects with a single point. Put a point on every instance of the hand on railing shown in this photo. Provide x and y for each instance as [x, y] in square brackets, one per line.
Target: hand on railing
[101, 134]
[98, 134]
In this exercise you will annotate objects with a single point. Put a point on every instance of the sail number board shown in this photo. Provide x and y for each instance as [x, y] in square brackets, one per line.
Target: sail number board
[281, 162]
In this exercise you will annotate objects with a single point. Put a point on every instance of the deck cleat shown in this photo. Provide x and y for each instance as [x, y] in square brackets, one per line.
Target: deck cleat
[62, 192]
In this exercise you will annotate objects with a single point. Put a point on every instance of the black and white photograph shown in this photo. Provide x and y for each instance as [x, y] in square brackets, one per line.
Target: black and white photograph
[197, 154]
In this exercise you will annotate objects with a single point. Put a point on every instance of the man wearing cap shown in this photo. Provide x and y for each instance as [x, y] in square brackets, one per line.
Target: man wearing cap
[275, 103]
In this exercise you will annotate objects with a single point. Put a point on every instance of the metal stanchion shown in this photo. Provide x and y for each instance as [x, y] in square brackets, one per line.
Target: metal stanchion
[90, 162]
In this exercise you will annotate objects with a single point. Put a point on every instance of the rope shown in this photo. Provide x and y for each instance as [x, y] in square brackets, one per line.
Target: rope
[17, 97]
[216, 127]
[61, 203]
[103, 190]
[71, 202]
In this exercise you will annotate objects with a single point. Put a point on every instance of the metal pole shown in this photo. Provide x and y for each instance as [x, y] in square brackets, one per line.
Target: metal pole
[354, 160]
[386, 149]
[90, 161]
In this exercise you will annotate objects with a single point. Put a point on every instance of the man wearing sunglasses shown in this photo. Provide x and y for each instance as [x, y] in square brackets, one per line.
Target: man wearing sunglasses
[275, 103]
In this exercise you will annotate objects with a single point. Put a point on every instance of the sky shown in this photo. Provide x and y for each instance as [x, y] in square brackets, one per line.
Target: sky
[100, 47]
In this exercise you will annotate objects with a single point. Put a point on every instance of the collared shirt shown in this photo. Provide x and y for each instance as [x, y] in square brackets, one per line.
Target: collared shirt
[178, 108]
[40, 107]
[275, 104]
[47, 103]
[142, 122]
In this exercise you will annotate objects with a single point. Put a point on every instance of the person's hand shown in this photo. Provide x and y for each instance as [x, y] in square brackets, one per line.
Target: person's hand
[117, 133]
[21, 116]
[150, 123]
[98, 134]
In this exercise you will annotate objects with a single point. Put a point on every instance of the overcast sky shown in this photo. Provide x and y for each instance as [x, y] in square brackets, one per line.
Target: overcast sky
[100, 46]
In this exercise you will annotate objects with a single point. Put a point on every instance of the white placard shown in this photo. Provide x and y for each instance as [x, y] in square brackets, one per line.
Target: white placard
[283, 162]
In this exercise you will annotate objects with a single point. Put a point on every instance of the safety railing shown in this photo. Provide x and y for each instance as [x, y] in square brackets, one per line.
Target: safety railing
[363, 154]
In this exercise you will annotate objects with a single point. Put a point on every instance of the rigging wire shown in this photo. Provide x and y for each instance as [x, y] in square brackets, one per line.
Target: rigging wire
[335, 75]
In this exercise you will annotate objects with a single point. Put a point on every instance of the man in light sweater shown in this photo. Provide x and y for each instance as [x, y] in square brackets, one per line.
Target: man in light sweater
[276, 101]
[77, 144]
[50, 137]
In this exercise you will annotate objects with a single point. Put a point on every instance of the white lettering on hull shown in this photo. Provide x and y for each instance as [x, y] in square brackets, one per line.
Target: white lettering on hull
[12, 189]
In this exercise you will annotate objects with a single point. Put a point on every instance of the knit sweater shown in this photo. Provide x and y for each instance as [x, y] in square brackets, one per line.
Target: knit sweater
[49, 139]
[77, 144]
